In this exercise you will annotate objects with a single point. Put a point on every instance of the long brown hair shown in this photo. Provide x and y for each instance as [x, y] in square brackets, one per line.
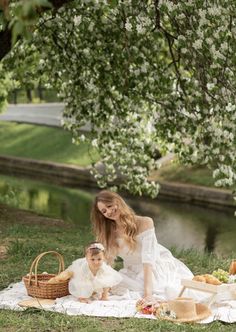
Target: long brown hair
[105, 228]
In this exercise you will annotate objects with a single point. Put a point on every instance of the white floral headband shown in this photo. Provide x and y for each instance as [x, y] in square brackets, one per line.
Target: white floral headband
[96, 246]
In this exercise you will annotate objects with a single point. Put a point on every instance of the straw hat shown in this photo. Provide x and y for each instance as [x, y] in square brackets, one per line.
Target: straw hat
[183, 310]
[36, 303]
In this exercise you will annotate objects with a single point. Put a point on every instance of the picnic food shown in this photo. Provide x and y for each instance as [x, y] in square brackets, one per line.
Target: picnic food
[200, 278]
[222, 275]
[37, 284]
[217, 277]
[63, 276]
[232, 268]
[146, 309]
[208, 278]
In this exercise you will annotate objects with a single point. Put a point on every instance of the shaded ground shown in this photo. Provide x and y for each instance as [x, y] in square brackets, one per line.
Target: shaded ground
[11, 215]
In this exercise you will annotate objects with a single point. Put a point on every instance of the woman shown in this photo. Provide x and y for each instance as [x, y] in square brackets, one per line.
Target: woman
[149, 268]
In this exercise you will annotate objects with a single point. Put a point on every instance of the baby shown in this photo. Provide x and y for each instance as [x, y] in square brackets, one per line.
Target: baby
[91, 275]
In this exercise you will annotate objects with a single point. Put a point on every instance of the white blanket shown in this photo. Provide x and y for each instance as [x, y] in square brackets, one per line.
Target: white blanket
[118, 306]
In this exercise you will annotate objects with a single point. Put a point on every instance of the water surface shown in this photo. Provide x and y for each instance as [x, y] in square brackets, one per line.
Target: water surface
[177, 224]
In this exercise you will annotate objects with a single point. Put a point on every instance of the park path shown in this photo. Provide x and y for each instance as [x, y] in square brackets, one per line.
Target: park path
[49, 114]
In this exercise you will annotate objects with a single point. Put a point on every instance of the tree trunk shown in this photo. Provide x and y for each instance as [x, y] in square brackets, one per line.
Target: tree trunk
[5, 39]
[29, 95]
[40, 91]
[15, 96]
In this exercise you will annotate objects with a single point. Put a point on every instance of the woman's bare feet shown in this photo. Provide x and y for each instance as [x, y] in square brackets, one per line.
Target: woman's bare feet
[84, 300]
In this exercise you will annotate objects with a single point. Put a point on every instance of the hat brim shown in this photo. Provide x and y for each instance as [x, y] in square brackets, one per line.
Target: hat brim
[36, 303]
[202, 312]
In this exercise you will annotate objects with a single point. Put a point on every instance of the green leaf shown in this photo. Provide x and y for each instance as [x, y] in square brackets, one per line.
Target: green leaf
[43, 3]
[3, 21]
[29, 11]
[17, 30]
[113, 3]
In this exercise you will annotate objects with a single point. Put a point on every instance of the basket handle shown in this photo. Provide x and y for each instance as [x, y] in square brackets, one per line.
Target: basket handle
[34, 264]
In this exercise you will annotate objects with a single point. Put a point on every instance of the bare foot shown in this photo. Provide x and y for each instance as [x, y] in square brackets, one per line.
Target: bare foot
[84, 300]
[104, 298]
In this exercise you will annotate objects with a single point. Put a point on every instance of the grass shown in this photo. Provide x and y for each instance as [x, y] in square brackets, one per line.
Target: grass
[198, 175]
[43, 143]
[26, 236]
[54, 144]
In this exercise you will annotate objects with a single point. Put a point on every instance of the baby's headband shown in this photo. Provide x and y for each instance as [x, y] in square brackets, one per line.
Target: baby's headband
[96, 246]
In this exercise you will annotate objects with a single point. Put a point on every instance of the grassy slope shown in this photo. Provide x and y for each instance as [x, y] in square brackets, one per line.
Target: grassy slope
[54, 144]
[198, 175]
[25, 235]
[45, 143]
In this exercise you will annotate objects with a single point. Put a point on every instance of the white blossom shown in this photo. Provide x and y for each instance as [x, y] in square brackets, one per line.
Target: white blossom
[77, 20]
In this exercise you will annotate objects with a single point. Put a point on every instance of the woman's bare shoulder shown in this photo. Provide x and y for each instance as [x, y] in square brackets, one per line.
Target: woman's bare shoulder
[144, 223]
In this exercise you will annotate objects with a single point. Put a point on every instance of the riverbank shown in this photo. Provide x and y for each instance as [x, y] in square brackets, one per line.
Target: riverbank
[75, 176]
[44, 143]
[25, 234]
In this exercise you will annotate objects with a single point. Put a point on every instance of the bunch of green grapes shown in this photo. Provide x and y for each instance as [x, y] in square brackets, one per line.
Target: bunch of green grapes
[222, 275]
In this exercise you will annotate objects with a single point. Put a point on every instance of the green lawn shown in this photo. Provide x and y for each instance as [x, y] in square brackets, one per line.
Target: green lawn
[24, 235]
[199, 175]
[54, 144]
[43, 143]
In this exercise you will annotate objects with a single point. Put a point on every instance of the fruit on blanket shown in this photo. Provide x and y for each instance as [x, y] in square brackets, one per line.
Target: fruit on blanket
[222, 275]
[144, 309]
[232, 268]
[148, 310]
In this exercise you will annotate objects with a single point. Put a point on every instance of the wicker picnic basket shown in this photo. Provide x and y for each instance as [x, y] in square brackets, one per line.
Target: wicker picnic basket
[37, 284]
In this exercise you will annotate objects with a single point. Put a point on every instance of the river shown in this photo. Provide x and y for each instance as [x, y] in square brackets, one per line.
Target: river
[178, 225]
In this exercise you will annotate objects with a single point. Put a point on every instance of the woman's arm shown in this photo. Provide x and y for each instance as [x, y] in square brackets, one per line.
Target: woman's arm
[145, 223]
[147, 272]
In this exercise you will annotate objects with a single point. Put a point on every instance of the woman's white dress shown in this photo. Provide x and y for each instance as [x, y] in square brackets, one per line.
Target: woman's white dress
[84, 283]
[167, 270]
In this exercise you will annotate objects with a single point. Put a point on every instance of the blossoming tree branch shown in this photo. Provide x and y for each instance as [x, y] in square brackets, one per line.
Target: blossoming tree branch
[147, 76]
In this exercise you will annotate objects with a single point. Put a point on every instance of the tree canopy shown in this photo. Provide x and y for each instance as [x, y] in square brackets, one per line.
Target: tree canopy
[147, 75]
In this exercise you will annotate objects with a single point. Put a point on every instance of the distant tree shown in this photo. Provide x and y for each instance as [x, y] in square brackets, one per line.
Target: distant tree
[144, 74]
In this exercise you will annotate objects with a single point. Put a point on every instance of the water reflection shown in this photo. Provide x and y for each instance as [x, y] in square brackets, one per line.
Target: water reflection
[186, 226]
[177, 225]
[58, 202]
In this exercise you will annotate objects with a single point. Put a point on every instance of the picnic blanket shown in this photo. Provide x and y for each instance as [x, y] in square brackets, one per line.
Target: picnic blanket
[117, 306]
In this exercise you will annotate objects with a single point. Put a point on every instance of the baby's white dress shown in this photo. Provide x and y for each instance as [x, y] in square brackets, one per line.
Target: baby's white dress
[167, 270]
[84, 283]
